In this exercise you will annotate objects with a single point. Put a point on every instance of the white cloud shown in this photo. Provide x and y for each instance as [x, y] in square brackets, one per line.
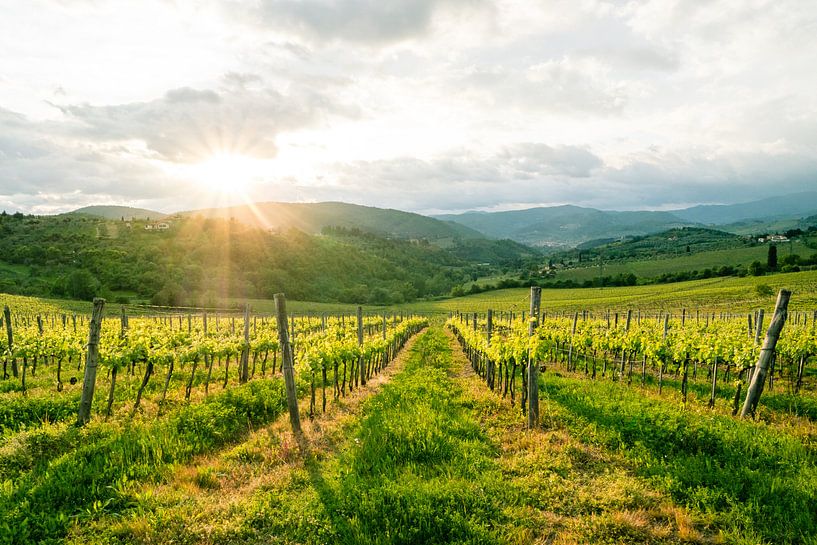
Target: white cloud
[426, 104]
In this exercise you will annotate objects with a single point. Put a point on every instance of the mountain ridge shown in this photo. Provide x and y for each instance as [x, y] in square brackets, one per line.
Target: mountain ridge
[559, 226]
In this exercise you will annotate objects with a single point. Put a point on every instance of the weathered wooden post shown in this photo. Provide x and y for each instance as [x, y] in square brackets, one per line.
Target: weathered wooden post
[533, 369]
[91, 363]
[10, 336]
[123, 326]
[623, 351]
[570, 348]
[714, 384]
[361, 367]
[489, 329]
[288, 364]
[245, 349]
[759, 325]
[661, 363]
[766, 353]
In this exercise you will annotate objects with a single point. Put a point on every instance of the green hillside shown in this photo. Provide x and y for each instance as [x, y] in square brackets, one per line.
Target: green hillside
[199, 261]
[564, 225]
[119, 212]
[671, 252]
[727, 294]
[314, 217]
[785, 206]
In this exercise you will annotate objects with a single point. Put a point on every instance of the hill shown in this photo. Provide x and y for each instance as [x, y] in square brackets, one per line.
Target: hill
[203, 261]
[312, 218]
[119, 212]
[730, 294]
[564, 225]
[687, 252]
[670, 243]
[792, 206]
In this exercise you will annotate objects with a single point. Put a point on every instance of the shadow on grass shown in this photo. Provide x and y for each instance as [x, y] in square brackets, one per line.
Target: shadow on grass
[416, 472]
[756, 480]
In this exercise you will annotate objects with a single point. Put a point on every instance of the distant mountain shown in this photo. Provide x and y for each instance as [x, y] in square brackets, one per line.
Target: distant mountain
[313, 217]
[791, 206]
[564, 225]
[119, 212]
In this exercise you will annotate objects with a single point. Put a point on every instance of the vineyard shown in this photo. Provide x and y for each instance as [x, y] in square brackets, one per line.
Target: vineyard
[174, 386]
[613, 373]
[714, 352]
[635, 432]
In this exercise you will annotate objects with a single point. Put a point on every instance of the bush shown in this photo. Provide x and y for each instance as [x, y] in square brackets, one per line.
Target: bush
[764, 290]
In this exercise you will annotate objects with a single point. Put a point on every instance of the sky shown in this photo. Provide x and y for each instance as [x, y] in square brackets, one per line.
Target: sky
[422, 105]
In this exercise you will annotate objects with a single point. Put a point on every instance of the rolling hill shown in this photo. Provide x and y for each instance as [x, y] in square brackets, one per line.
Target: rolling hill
[118, 212]
[564, 225]
[312, 218]
[568, 225]
[793, 206]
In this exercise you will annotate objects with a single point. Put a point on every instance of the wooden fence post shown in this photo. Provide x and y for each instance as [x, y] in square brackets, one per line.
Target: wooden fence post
[245, 350]
[10, 335]
[288, 364]
[91, 363]
[361, 366]
[533, 368]
[489, 329]
[766, 353]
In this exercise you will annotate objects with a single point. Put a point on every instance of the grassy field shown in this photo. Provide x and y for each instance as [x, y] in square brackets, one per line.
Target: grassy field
[730, 293]
[430, 455]
[694, 262]
[733, 294]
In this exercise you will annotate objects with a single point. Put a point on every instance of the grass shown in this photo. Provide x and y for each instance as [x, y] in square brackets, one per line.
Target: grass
[56, 474]
[733, 294]
[432, 458]
[751, 482]
[713, 259]
[435, 457]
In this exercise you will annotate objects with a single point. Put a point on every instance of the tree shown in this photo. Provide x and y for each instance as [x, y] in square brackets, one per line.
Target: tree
[82, 285]
[756, 268]
[771, 260]
[791, 259]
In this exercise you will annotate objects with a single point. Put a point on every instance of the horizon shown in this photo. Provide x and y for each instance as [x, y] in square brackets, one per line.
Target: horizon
[432, 214]
[433, 106]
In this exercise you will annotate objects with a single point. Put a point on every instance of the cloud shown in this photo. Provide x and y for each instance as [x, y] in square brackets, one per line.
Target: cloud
[190, 125]
[584, 86]
[38, 164]
[421, 105]
[373, 22]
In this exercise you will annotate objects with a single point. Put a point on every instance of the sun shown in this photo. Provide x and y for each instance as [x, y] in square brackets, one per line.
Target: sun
[225, 173]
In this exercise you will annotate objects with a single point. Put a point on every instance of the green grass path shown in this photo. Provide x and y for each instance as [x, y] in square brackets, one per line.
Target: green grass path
[436, 458]
[428, 456]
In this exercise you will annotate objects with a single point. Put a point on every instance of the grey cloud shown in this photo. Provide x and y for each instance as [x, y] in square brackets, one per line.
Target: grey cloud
[187, 94]
[639, 58]
[241, 79]
[524, 161]
[35, 161]
[357, 21]
[531, 174]
[188, 125]
[541, 159]
[564, 85]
